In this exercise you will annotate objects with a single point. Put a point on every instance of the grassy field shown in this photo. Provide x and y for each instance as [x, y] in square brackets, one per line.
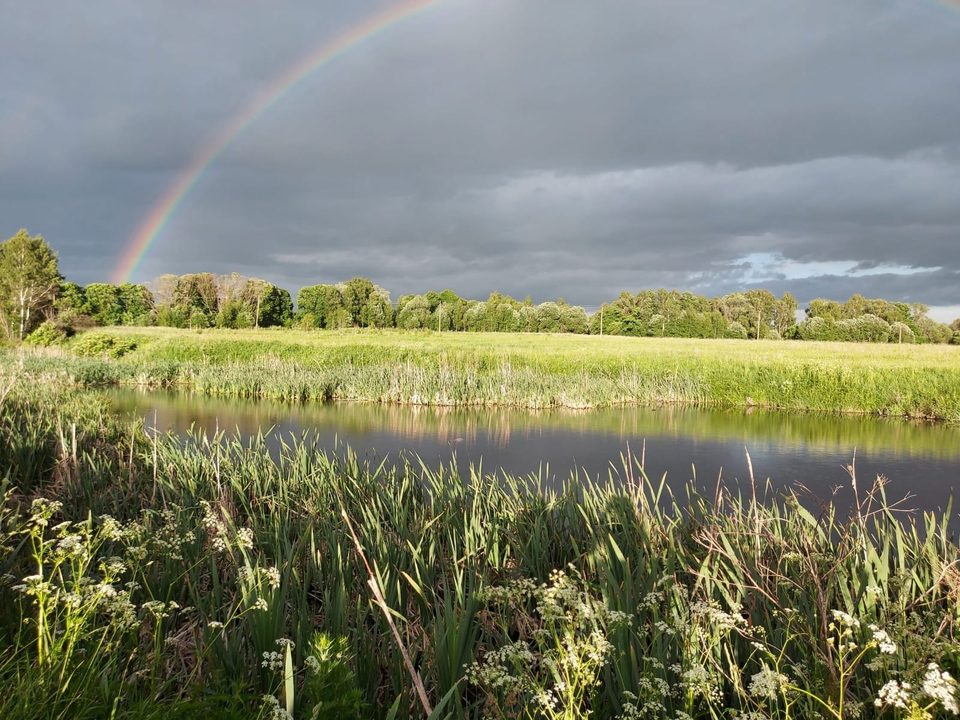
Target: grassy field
[567, 350]
[528, 370]
[151, 578]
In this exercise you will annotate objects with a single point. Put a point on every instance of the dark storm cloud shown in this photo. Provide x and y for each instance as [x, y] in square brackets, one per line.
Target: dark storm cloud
[542, 148]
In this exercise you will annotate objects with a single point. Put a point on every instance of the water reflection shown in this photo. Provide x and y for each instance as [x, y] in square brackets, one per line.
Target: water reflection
[920, 458]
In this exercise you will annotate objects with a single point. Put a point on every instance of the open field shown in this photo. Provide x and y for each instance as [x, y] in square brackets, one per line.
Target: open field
[527, 370]
[148, 578]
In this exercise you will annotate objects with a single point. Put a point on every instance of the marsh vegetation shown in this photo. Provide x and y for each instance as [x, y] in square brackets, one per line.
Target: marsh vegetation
[150, 577]
[517, 369]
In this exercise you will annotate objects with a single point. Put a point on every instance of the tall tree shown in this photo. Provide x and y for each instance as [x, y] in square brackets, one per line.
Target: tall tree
[197, 291]
[29, 280]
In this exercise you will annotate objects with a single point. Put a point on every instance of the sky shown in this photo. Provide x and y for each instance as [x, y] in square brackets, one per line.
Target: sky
[543, 148]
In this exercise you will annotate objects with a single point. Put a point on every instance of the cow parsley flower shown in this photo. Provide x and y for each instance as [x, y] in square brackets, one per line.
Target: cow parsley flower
[939, 685]
[894, 694]
[767, 683]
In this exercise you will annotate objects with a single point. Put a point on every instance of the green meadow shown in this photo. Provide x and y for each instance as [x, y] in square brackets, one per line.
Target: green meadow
[518, 369]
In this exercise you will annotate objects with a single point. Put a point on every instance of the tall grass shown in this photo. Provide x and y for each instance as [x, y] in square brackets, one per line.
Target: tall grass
[187, 569]
[528, 371]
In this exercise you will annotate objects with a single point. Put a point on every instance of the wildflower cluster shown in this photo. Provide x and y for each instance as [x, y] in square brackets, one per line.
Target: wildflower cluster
[941, 687]
[557, 667]
[689, 631]
[80, 592]
[272, 659]
[222, 534]
[768, 684]
[938, 688]
[272, 709]
[327, 686]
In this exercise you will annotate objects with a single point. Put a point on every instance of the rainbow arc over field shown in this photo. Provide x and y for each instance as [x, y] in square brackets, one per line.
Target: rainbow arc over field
[187, 179]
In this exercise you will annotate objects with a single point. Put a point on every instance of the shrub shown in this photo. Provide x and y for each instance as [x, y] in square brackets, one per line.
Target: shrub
[870, 328]
[97, 344]
[307, 322]
[736, 330]
[934, 332]
[198, 319]
[819, 328]
[46, 334]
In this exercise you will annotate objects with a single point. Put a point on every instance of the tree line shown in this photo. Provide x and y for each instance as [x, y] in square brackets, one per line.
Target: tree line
[38, 304]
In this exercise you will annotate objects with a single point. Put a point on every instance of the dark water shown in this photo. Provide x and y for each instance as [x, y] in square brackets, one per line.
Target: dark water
[920, 460]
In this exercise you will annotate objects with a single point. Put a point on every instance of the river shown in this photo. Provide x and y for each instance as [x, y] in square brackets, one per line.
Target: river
[921, 460]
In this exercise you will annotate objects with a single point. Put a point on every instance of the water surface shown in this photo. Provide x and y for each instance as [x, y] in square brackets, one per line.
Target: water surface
[919, 459]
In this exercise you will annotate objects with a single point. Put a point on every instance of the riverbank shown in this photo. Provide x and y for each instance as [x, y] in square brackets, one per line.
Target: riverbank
[152, 578]
[518, 370]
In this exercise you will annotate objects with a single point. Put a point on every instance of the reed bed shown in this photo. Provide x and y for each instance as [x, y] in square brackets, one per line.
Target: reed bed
[156, 576]
[526, 371]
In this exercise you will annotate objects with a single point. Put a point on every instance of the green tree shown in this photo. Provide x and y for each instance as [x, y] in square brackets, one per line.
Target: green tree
[377, 311]
[785, 314]
[573, 319]
[197, 291]
[932, 331]
[137, 304]
[103, 303]
[826, 309]
[29, 281]
[528, 318]
[266, 303]
[548, 317]
[356, 294]
[71, 297]
[276, 308]
[323, 302]
[414, 313]
[198, 319]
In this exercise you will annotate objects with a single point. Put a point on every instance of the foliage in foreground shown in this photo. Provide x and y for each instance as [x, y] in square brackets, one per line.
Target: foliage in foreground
[149, 577]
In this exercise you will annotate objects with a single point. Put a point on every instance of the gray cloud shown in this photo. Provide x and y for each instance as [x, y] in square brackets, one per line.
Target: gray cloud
[560, 148]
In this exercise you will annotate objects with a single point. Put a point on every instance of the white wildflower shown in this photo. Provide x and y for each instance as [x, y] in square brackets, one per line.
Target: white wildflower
[894, 694]
[883, 641]
[273, 577]
[845, 620]
[546, 699]
[245, 538]
[939, 685]
[110, 527]
[272, 660]
[72, 546]
[767, 683]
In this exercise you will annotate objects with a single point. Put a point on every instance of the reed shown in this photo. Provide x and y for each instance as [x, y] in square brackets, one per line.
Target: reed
[157, 575]
[518, 370]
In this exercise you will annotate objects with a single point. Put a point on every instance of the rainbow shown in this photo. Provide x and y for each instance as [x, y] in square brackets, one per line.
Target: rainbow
[187, 179]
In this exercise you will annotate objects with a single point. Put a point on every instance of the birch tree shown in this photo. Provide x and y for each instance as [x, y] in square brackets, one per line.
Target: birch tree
[29, 279]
